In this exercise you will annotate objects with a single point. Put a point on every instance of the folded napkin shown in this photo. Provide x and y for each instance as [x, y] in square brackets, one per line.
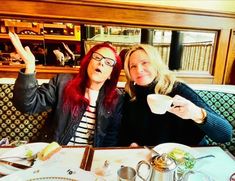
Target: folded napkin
[4, 142]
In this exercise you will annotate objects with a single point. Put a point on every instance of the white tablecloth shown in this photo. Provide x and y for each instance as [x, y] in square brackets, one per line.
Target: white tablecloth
[219, 168]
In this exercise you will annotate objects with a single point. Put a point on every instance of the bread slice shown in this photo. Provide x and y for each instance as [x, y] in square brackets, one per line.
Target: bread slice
[49, 150]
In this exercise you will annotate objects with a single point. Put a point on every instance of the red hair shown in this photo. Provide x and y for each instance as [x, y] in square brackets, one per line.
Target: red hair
[74, 91]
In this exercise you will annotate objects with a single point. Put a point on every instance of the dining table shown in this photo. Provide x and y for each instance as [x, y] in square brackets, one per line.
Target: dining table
[101, 164]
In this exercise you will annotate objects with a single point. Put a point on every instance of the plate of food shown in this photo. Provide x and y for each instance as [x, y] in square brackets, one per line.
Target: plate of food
[23, 154]
[184, 156]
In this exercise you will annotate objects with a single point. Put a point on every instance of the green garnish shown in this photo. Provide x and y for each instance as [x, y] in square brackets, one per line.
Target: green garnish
[182, 158]
[29, 153]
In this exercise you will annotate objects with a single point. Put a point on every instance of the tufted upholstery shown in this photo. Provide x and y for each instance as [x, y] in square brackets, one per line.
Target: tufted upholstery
[18, 126]
[224, 104]
[15, 125]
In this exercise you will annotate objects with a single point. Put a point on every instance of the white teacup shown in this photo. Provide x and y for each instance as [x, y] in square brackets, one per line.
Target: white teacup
[158, 103]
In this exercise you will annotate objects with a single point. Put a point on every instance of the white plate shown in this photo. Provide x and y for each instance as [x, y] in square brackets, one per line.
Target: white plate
[168, 147]
[21, 152]
[51, 173]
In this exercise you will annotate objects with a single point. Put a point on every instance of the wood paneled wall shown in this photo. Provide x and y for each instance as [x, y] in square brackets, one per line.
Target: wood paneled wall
[127, 14]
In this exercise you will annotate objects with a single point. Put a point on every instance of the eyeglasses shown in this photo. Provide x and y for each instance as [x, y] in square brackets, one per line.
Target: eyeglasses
[108, 61]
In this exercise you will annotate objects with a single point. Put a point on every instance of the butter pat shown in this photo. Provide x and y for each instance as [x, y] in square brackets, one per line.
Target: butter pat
[49, 150]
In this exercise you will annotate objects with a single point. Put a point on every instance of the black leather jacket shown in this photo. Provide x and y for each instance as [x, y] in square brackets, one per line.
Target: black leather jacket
[29, 97]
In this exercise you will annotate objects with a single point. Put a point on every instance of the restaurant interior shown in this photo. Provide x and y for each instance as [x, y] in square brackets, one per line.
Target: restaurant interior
[196, 41]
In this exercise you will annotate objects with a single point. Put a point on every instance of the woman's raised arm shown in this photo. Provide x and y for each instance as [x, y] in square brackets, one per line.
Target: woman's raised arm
[25, 53]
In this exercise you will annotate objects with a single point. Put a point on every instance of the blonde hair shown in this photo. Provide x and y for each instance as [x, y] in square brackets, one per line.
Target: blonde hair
[164, 77]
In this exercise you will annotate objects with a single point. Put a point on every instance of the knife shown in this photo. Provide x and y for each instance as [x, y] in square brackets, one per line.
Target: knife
[13, 164]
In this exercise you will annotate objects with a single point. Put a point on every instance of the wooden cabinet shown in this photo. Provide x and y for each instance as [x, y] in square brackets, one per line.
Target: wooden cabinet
[43, 38]
[131, 15]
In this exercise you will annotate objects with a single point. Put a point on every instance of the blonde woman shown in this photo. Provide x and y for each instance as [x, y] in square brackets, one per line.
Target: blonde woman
[187, 121]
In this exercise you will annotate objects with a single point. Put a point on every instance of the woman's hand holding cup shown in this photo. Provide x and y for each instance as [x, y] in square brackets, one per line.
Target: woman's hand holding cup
[158, 103]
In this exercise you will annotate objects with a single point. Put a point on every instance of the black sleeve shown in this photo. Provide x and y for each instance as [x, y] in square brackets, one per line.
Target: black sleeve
[29, 97]
[215, 126]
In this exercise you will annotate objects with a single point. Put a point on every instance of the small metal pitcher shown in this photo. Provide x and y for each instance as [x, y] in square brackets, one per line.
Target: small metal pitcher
[160, 168]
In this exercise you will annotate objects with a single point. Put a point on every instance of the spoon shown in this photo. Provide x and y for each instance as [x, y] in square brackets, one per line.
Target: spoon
[152, 151]
[206, 156]
[199, 158]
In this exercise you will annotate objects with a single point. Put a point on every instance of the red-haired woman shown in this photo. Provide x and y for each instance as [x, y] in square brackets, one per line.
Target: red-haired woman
[86, 108]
